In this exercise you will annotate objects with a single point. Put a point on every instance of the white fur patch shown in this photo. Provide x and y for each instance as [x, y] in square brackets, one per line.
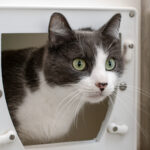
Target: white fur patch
[58, 27]
[47, 114]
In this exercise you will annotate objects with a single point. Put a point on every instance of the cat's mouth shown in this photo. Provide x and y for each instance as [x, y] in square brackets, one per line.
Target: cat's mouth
[95, 94]
[96, 97]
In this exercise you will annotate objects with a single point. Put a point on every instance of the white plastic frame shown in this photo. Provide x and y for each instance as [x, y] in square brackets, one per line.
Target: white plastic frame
[35, 20]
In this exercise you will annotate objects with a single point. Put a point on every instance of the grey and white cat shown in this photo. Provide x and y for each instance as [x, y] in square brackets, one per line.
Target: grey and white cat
[72, 67]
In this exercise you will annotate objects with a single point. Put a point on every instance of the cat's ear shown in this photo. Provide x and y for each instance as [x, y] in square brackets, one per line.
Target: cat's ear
[111, 28]
[59, 30]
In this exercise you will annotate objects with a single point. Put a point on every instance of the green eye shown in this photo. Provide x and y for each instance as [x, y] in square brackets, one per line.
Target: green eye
[110, 64]
[79, 64]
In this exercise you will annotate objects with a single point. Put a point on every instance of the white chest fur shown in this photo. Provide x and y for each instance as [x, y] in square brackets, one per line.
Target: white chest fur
[47, 113]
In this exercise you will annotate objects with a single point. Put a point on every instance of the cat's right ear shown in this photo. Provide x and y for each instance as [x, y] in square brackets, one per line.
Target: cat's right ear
[59, 30]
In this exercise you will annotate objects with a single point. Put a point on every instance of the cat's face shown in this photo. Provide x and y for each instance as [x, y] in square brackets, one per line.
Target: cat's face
[91, 61]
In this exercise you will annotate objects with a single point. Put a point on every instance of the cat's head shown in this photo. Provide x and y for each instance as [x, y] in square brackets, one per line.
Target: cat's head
[89, 60]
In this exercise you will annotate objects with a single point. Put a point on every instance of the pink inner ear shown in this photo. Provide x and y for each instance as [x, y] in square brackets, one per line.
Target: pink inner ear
[59, 30]
[59, 24]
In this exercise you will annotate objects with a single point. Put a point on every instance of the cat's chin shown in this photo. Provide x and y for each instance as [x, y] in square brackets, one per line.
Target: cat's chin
[96, 98]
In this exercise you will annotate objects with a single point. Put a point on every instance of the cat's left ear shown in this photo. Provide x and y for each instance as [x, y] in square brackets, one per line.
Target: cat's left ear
[111, 28]
[59, 30]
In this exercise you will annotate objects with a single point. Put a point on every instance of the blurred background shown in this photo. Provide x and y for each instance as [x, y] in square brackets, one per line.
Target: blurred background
[145, 75]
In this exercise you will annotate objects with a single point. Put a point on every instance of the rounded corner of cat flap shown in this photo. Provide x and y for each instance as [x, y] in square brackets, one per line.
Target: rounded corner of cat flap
[133, 12]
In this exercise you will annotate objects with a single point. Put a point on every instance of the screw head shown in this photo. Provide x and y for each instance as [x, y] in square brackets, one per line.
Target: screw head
[115, 129]
[132, 14]
[1, 93]
[12, 137]
[131, 45]
[123, 86]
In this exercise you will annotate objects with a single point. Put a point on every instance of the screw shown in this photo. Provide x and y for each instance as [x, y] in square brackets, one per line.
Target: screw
[132, 14]
[115, 129]
[1, 93]
[131, 45]
[122, 86]
[12, 137]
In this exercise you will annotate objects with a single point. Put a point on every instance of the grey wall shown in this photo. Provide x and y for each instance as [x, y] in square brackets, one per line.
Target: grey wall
[17, 41]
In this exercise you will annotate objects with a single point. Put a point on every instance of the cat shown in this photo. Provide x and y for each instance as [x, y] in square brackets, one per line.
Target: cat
[46, 87]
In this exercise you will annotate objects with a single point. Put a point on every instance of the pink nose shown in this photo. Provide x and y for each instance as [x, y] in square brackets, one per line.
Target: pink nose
[101, 86]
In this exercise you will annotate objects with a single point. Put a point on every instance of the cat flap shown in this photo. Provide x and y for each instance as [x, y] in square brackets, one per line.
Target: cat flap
[59, 30]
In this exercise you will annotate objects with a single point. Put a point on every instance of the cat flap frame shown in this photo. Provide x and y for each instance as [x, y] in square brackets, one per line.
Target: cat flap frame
[36, 21]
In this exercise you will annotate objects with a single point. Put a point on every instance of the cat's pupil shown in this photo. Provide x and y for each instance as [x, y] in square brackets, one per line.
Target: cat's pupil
[79, 63]
[110, 63]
